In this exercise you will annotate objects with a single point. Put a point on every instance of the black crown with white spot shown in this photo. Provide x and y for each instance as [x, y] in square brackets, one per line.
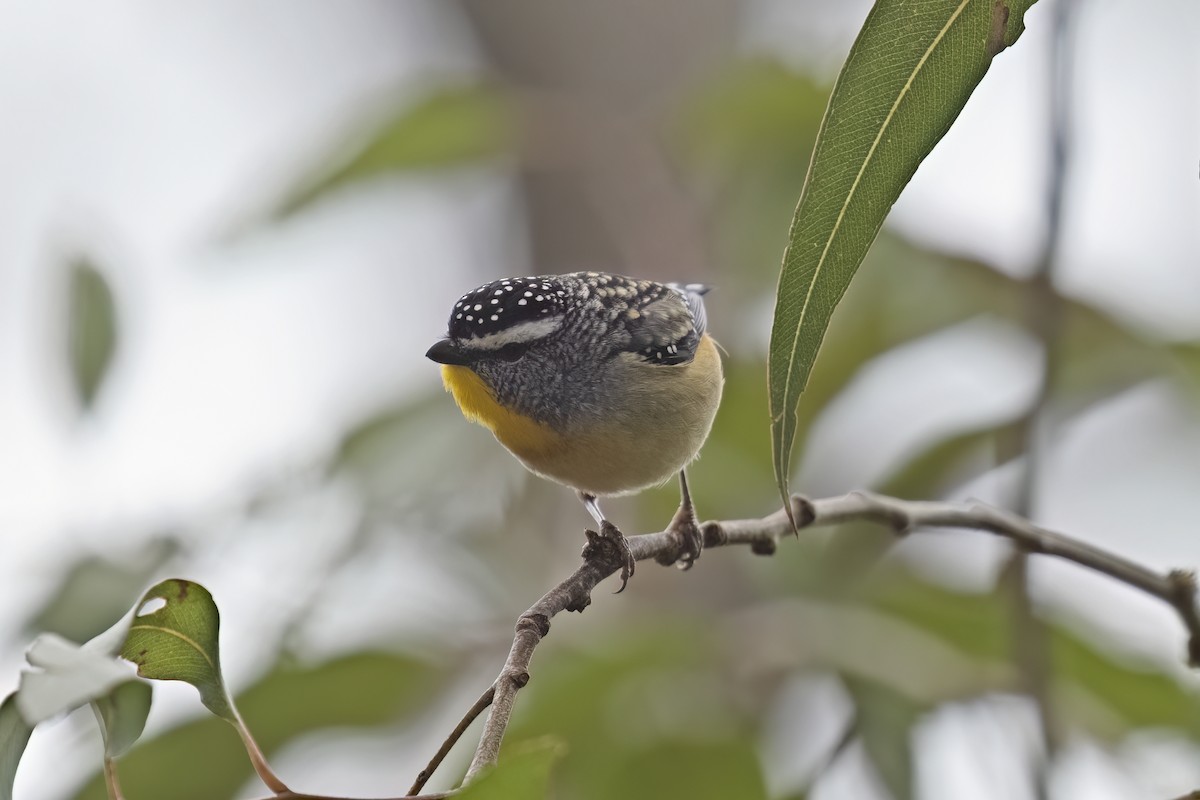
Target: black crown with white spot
[501, 304]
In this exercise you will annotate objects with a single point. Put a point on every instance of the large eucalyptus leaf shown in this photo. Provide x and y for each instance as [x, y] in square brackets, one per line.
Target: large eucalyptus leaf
[908, 75]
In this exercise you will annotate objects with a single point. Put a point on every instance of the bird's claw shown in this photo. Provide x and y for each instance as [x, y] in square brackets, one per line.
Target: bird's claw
[690, 537]
[611, 537]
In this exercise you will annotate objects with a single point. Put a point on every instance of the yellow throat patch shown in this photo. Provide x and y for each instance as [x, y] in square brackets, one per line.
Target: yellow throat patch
[522, 435]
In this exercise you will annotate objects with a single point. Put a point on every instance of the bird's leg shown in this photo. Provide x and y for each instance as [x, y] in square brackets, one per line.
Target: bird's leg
[686, 527]
[610, 534]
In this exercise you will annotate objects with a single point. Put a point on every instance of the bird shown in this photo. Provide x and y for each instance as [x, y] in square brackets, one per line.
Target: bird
[603, 383]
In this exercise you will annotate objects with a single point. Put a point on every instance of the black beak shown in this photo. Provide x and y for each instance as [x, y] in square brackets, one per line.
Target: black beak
[444, 352]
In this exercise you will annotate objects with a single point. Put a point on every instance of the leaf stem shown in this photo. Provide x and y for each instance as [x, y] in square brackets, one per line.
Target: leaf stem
[257, 759]
[110, 779]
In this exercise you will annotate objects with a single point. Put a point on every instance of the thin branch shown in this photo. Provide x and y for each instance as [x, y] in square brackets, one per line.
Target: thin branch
[481, 704]
[1176, 588]
[1044, 310]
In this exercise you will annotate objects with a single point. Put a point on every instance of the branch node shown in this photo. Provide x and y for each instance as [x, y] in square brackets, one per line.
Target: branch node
[713, 533]
[536, 623]
[520, 680]
[803, 511]
[577, 604]
[763, 547]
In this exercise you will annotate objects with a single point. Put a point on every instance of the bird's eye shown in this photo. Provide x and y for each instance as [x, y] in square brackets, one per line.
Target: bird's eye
[511, 352]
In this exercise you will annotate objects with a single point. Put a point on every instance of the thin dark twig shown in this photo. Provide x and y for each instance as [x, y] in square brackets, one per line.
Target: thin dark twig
[601, 559]
[423, 777]
[290, 795]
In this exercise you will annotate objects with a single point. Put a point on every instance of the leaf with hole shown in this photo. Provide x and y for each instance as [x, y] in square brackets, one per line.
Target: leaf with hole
[178, 641]
[907, 76]
[174, 637]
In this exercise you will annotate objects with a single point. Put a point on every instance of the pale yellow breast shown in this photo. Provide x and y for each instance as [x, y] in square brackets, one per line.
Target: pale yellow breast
[659, 418]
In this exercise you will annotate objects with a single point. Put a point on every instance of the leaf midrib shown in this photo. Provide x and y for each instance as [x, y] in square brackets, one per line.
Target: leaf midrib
[182, 636]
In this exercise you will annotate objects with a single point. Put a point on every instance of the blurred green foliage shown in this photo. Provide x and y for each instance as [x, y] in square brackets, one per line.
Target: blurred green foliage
[14, 735]
[447, 128]
[95, 590]
[524, 773]
[204, 759]
[92, 329]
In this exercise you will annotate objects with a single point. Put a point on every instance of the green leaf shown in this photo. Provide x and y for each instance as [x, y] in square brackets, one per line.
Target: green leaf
[14, 735]
[522, 774]
[178, 642]
[92, 330]
[122, 716]
[908, 74]
[706, 770]
[455, 126]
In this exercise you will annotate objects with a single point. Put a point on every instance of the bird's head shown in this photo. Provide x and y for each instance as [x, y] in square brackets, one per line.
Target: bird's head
[501, 320]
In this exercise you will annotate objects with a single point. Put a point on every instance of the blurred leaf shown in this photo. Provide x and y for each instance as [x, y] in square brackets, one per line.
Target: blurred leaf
[14, 735]
[179, 642]
[1142, 696]
[975, 624]
[454, 126]
[66, 676]
[1131, 695]
[754, 115]
[95, 591]
[92, 330]
[400, 459]
[942, 464]
[200, 760]
[696, 770]
[631, 692]
[122, 716]
[908, 74]
[523, 773]
[884, 719]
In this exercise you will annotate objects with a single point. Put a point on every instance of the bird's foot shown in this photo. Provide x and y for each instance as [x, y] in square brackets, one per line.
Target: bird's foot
[686, 530]
[608, 546]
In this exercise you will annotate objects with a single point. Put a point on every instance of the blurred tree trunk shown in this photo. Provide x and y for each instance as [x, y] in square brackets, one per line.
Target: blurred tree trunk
[600, 78]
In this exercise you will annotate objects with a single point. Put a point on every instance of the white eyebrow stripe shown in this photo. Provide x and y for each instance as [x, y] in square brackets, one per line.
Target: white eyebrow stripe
[519, 333]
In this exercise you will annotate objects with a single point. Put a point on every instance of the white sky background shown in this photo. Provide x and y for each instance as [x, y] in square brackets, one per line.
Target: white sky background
[136, 129]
